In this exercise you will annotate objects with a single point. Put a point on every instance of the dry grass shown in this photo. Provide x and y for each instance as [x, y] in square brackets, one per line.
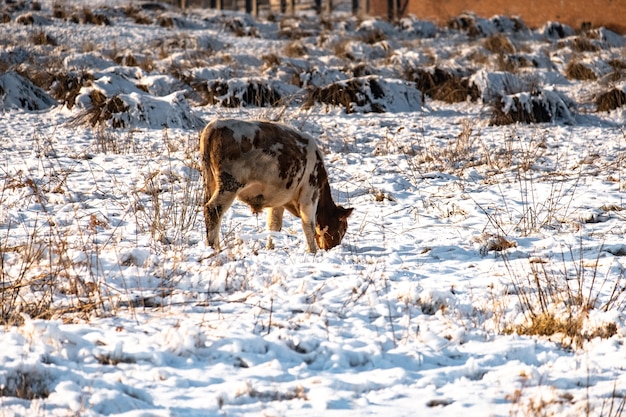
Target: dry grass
[165, 21]
[93, 18]
[539, 112]
[355, 92]
[102, 110]
[27, 384]
[443, 85]
[372, 36]
[465, 23]
[295, 49]
[579, 44]
[66, 86]
[38, 270]
[39, 37]
[556, 297]
[499, 44]
[137, 15]
[41, 275]
[579, 71]
[255, 92]
[610, 100]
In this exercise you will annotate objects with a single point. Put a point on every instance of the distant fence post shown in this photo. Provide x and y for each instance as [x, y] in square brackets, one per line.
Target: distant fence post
[252, 7]
[392, 11]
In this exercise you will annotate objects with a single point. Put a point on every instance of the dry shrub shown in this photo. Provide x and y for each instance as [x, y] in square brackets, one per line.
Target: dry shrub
[556, 298]
[497, 243]
[295, 34]
[40, 77]
[512, 63]
[457, 154]
[569, 329]
[26, 19]
[617, 64]
[165, 21]
[295, 49]
[442, 85]
[539, 112]
[547, 324]
[58, 11]
[95, 18]
[354, 94]
[618, 73]
[135, 13]
[5, 18]
[336, 94]
[39, 37]
[341, 49]
[360, 69]
[27, 384]
[66, 86]
[251, 93]
[240, 28]
[372, 36]
[465, 23]
[142, 19]
[579, 44]
[102, 109]
[271, 60]
[610, 100]
[499, 44]
[579, 71]
[128, 60]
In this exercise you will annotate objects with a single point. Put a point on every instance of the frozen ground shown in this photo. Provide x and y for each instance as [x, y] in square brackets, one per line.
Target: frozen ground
[465, 235]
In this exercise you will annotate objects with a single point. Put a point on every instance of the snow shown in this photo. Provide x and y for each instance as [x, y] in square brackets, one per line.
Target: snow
[113, 305]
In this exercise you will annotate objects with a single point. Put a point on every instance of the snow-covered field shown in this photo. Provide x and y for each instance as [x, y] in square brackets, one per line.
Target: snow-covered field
[483, 271]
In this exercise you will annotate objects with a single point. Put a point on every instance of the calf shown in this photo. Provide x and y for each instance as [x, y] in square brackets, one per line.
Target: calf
[268, 165]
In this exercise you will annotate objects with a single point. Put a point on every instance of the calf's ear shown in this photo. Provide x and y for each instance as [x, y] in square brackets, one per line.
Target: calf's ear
[345, 212]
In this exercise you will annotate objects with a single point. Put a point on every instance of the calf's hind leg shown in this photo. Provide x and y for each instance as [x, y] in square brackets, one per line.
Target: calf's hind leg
[214, 209]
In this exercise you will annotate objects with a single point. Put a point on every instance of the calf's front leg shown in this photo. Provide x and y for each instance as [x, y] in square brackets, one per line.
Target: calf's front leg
[274, 223]
[307, 215]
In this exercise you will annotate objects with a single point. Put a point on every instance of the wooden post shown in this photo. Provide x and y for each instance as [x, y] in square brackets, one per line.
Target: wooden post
[392, 12]
[252, 7]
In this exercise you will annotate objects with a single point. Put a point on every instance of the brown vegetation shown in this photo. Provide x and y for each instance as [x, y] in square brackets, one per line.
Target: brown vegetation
[355, 92]
[610, 100]
[538, 112]
[443, 85]
[578, 71]
[499, 44]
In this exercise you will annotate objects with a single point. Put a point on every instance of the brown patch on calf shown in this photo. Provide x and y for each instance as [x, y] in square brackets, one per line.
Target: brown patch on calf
[290, 156]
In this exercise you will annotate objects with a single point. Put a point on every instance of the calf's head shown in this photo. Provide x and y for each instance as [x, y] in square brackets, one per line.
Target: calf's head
[331, 227]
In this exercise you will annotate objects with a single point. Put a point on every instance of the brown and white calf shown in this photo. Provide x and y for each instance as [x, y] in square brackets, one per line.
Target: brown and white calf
[268, 165]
